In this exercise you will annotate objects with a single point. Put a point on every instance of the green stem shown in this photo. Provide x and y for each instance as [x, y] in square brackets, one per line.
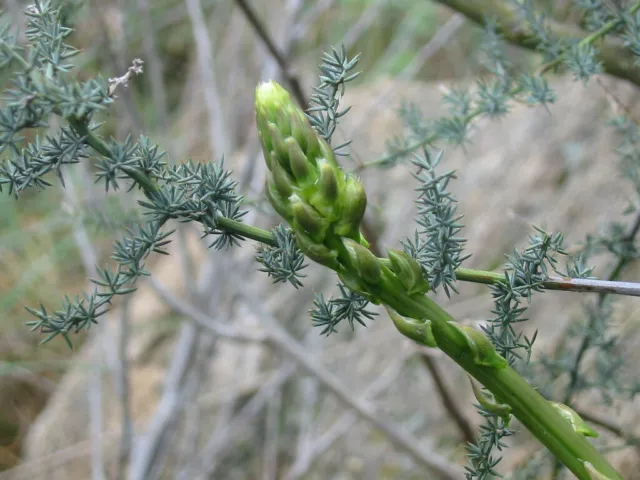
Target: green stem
[527, 405]
[91, 139]
[149, 186]
[266, 237]
[147, 183]
[247, 231]
[479, 276]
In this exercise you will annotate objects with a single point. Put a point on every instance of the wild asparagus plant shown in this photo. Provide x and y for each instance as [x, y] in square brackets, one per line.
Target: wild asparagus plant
[324, 207]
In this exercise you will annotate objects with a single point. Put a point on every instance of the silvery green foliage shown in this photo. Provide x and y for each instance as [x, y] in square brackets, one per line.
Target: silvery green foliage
[631, 33]
[42, 87]
[525, 271]
[200, 192]
[285, 261]
[436, 244]
[349, 306]
[581, 61]
[324, 113]
[188, 192]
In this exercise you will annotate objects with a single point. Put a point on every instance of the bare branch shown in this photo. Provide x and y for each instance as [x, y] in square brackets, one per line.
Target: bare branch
[94, 388]
[270, 463]
[448, 400]
[281, 340]
[592, 285]
[203, 319]
[218, 138]
[344, 424]
[122, 387]
[281, 58]
[147, 447]
[220, 442]
[156, 67]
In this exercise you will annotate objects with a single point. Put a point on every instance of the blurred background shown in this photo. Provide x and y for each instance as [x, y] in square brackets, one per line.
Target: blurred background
[151, 389]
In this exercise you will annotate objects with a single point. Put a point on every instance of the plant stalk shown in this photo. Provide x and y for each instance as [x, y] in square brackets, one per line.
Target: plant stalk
[533, 411]
[527, 405]
[463, 274]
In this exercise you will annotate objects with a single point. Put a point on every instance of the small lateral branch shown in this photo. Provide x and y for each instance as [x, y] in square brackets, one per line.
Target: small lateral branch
[556, 283]
[470, 275]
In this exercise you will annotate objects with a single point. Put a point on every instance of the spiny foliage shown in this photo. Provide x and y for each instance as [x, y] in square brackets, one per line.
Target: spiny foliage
[42, 87]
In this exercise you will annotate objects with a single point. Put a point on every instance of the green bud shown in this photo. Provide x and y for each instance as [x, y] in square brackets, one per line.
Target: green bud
[265, 139]
[277, 112]
[355, 283]
[480, 347]
[298, 126]
[308, 219]
[595, 474]
[300, 165]
[282, 180]
[417, 330]
[327, 200]
[326, 192]
[354, 202]
[283, 120]
[489, 402]
[280, 205]
[317, 251]
[314, 142]
[571, 416]
[279, 147]
[328, 183]
[270, 99]
[365, 262]
[408, 271]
